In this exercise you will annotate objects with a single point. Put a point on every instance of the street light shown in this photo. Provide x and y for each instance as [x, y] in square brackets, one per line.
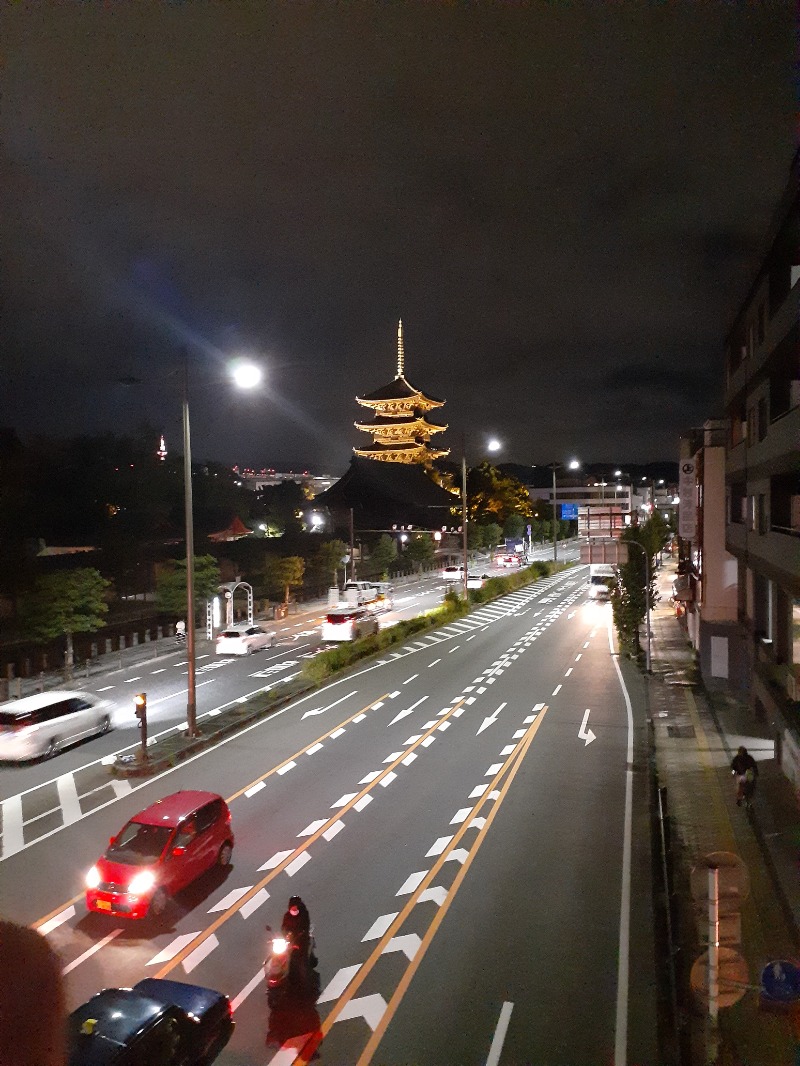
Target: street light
[245, 375]
[572, 465]
[492, 445]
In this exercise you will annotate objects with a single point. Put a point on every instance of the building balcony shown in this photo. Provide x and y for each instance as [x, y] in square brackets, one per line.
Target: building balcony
[778, 450]
[775, 554]
[777, 328]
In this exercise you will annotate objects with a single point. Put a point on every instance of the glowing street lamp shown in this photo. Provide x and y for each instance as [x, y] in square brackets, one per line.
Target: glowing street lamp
[246, 376]
[573, 464]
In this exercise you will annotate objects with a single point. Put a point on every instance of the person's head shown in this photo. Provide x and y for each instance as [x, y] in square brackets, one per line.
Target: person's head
[32, 1003]
[294, 905]
[742, 750]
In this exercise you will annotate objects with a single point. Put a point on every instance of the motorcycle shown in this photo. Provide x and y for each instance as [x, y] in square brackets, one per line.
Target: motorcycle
[284, 965]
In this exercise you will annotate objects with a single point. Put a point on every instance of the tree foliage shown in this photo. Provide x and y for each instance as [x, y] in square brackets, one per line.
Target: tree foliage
[286, 573]
[61, 604]
[420, 550]
[493, 496]
[327, 559]
[383, 554]
[171, 584]
[632, 594]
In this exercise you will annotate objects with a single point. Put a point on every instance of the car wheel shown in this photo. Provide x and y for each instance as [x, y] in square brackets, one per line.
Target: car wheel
[52, 749]
[158, 904]
[274, 641]
[105, 723]
[224, 854]
[250, 649]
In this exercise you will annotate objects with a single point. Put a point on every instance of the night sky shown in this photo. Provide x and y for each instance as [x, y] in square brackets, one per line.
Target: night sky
[565, 203]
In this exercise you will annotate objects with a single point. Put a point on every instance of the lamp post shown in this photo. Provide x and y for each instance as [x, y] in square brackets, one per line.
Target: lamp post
[492, 445]
[573, 465]
[245, 376]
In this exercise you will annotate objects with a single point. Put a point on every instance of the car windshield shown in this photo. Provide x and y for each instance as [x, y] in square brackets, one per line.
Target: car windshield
[139, 844]
[337, 619]
[229, 634]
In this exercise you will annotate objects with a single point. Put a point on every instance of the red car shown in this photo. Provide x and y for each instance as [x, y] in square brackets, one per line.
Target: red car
[160, 851]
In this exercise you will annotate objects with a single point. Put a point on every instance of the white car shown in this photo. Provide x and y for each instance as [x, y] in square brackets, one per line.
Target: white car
[453, 573]
[45, 723]
[349, 623]
[244, 640]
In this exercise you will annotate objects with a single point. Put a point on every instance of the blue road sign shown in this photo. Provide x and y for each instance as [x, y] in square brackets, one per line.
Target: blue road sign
[780, 982]
[569, 511]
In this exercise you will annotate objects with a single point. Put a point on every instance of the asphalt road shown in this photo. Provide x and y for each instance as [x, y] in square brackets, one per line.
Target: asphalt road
[472, 845]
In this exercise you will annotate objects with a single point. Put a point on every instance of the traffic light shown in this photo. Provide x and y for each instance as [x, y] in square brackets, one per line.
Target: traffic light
[140, 706]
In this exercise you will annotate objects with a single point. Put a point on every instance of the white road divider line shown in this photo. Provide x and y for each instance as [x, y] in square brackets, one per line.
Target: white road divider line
[391, 776]
[331, 832]
[337, 733]
[494, 768]
[459, 816]
[298, 863]
[362, 803]
[172, 949]
[393, 756]
[314, 749]
[13, 839]
[500, 1034]
[336, 986]
[285, 769]
[194, 958]
[370, 777]
[253, 904]
[312, 827]
[56, 921]
[256, 788]
[68, 799]
[251, 986]
[379, 927]
[228, 901]
[90, 951]
[411, 883]
[438, 847]
[342, 801]
[276, 860]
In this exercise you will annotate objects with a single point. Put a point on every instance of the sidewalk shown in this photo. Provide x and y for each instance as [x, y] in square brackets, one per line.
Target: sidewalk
[696, 734]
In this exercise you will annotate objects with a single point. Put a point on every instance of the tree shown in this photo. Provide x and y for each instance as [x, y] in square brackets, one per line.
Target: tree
[514, 526]
[383, 554]
[492, 535]
[629, 598]
[285, 573]
[65, 603]
[171, 585]
[493, 496]
[420, 550]
[328, 558]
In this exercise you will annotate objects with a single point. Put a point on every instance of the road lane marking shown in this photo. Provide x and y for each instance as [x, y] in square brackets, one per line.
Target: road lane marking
[500, 1034]
[556, 690]
[53, 922]
[391, 776]
[297, 864]
[339, 1011]
[172, 949]
[341, 979]
[408, 680]
[256, 788]
[379, 927]
[412, 882]
[68, 799]
[251, 985]
[254, 903]
[333, 830]
[194, 958]
[231, 898]
[90, 951]
[13, 839]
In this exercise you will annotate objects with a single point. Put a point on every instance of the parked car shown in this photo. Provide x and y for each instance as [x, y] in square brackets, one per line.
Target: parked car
[244, 640]
[349, 623]
[453, 573]
[45, 723]
[155, 1022]
[160, 851]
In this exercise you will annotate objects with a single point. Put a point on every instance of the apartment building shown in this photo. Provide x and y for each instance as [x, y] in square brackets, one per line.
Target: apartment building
[762, 404]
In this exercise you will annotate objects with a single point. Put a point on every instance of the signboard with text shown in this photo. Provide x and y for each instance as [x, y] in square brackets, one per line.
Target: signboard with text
[687, 508]
[569, 511]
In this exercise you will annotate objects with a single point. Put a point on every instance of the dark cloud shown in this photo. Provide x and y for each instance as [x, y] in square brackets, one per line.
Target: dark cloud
[564, 204]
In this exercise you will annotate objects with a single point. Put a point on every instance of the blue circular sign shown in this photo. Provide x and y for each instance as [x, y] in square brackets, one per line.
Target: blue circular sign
[780, 981]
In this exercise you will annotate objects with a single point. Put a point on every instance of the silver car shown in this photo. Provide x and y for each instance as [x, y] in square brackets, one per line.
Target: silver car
[244, 640]
[45, 723]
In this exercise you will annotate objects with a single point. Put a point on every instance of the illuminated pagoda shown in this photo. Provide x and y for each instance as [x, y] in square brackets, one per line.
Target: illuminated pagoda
[399, 427]
[396, 491]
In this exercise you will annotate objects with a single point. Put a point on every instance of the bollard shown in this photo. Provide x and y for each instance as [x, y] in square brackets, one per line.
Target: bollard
[108, 645]
[147, 636]
[159, 632]
[122, 642]
[134, 639]
[93, 651]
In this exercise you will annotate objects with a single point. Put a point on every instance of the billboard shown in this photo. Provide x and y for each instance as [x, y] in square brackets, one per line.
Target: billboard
[687, 508]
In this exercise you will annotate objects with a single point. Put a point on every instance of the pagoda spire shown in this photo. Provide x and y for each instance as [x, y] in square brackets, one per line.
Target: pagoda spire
[401, 359]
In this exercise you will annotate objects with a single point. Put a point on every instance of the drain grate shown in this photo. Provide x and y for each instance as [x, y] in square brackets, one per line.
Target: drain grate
[681, 732]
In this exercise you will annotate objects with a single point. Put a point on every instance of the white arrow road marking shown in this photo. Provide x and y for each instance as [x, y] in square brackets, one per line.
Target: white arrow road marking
[408, 944]
[56, 921]
[584, 733]
[276, 860]
[253, 904]
[490, 720]
[322, 710]
[459, 855]
[370, 1008]
[477, 823]
[95, 947]
[339, 983]
[195, 957]
[171, 950]
[379, 927]
[405, 713]
[437, 894]
[230, 899]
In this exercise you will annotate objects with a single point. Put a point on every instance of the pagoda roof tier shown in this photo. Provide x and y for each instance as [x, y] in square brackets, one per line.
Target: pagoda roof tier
[401, 392]
[381, 423]
[415, 451]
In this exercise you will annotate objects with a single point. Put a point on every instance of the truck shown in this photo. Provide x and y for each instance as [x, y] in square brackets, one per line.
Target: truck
[601, 580]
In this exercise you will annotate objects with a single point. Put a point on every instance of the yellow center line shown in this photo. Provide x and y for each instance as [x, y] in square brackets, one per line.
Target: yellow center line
[76, 899]
[303, 750]
[510, 768]
[290, 858]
